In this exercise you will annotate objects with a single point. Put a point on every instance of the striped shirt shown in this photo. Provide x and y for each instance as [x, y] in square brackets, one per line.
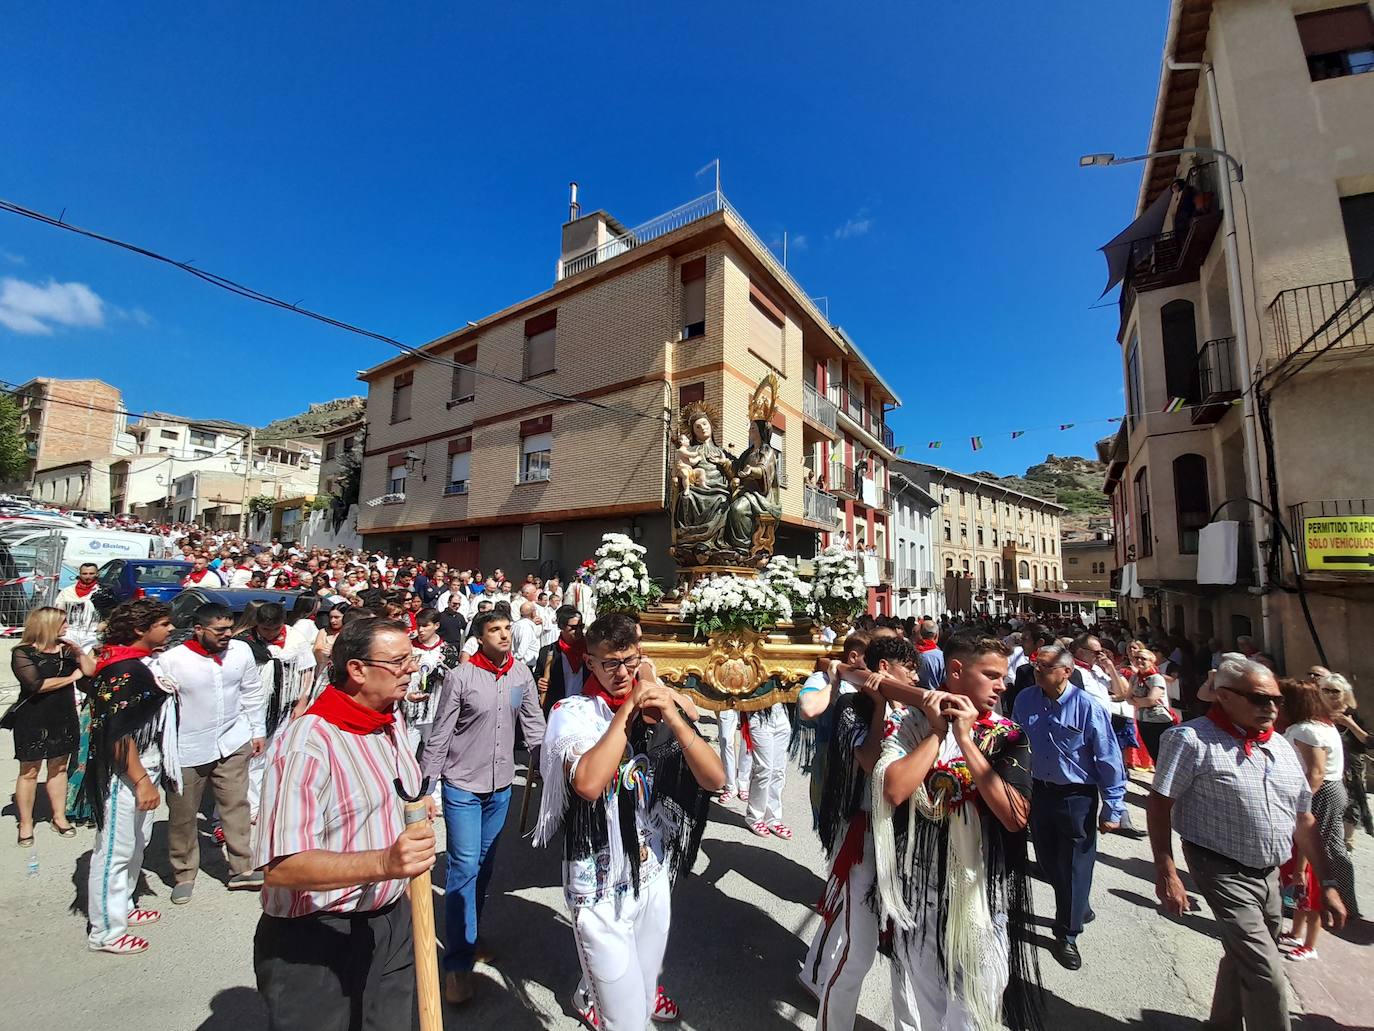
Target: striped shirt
[330, 790]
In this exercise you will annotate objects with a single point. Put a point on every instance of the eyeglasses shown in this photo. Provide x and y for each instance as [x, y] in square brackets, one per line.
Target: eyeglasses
[219, 631]
[393, 664]
[1049, 667]
[1255, 698]
[612, 666]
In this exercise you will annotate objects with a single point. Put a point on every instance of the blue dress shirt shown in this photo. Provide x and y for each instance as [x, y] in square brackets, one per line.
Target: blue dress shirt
[1072, 742]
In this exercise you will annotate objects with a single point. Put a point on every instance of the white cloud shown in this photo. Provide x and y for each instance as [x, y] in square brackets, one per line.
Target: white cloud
[856, 225]
[798, 242]
[10, 258]
[137, 316]
[34, 309]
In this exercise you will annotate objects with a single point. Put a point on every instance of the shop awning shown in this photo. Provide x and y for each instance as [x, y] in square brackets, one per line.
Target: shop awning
[1067, 598]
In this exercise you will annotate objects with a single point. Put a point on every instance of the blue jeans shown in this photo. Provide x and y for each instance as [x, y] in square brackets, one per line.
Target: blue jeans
[1063, 826]
[472, 825]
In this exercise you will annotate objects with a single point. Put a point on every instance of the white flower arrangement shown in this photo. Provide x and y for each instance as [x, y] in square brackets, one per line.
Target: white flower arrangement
[728, 603]
[839, 590]
[781, 574]
[622, 580]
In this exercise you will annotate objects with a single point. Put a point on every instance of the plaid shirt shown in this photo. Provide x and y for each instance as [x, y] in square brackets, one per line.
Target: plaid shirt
[1241, 806]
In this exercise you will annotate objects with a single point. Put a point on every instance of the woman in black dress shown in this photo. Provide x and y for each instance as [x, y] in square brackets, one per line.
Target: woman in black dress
[45, 722]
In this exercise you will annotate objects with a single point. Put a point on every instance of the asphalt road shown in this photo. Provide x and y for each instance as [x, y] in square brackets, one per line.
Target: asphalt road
[741, 925]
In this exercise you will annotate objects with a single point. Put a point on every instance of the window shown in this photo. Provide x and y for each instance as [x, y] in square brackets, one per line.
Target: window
[331, 448]
[464, 379]
[1073, 562]
[949, 565]
[401, 388]
[396, 474]
[1023, 570]
[459, 464]
[765, 326]
[168, 434]
[777, 440]
[980, 536]
[693, 298]
[964, 563]
[994, 538]
[1178, 330]
[690, 394]
[1135, 405]
[963, 531]
[1358, 214]
[1338, 42]
[540, 338]
[982, 573]
[529, 542]
[536, 449]
[1146, 542]
[948, 538]
[349, 443]
[1190, 500]
[199, 438]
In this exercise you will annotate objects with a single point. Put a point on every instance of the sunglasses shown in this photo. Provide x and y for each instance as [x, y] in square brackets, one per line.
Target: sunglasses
[1255, 698]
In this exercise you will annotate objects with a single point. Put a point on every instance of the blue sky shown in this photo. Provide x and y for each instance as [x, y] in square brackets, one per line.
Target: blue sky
[405, 168]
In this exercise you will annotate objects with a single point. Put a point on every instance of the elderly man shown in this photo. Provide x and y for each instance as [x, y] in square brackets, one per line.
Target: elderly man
[1074, 757]
[525, 634]
[1237, 795]
[932, 672]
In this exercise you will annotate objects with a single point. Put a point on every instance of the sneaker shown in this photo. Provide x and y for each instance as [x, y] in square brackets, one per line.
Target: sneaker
[124, 945]
[458, 987]
[665, 1009]
[139, 917]
[181, 894]
[249, 880]
[725, 797]
[585, 1009]
[1287, 941]
[1302, 954]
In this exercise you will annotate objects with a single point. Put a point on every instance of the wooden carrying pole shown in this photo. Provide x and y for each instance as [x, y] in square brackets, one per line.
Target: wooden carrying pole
[422, 933]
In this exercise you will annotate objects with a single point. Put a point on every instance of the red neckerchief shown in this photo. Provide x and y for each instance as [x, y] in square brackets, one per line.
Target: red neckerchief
[593, 689]
[118, 653]
[410, 619]
[341, 710]
[194, 577]
[480, 660]
[199, 649]
[429, 647]
[927, 646]
[574, 653]
[1247, 738]
[83, 589]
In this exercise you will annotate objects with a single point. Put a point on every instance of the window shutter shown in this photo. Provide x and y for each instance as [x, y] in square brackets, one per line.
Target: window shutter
[539, 353]
[404, 379]
[690, 393]
[1343, 28]
[541, 424]
[693, 270]
[392, 461]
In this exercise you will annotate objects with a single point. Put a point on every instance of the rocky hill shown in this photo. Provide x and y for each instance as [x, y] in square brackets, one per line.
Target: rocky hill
[316, 419]
[1072, 481]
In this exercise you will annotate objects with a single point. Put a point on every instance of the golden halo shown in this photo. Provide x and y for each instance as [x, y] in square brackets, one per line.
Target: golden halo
[689, 416]
[764, 401]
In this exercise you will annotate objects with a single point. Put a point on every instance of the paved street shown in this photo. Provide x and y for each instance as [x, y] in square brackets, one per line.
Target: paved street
[741, 926]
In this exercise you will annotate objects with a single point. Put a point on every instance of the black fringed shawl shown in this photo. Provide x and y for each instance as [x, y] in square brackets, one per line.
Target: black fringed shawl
[126, 701]
[844, 782]
[276, 706]
[924, 873]
[685, 808]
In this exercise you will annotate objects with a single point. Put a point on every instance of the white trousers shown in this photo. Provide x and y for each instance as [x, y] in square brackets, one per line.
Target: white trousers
[736, 774]
[620, 944]
[921, 999]
[772, 733]
[117, 858]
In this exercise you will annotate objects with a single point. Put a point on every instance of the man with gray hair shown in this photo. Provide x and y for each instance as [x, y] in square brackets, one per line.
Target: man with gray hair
[931, 674]
[1237, 794]
[1074, 757]
[525, 634]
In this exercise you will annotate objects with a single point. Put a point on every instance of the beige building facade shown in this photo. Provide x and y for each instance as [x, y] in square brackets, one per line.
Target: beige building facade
[1283, 91]
[1088, 565]
[69, 420]
[565, 433]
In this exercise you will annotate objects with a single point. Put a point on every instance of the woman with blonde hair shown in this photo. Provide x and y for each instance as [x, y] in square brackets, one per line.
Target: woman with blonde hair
[46, 728]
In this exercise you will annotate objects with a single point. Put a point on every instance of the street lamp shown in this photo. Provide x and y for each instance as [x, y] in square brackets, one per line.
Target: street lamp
[1250, 437]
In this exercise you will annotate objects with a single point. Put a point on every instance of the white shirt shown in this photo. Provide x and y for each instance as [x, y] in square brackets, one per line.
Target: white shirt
[548, 632]
[240, 577]
[471, 645]
[1099, 687]
[222, 704]
[209, 578]
[1317, 734]
[525, 640]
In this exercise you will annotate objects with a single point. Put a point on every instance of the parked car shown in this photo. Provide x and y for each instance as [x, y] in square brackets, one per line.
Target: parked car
[125, 579]
[184, 605]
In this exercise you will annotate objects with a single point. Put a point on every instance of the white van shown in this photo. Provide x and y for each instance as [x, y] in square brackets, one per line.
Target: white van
[26, 544]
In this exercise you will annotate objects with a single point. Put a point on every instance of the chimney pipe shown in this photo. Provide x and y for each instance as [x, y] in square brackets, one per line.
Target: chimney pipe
[574, 208]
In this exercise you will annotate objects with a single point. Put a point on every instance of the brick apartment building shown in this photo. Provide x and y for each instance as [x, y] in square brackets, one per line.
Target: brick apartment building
[64, 420]
[486, 472]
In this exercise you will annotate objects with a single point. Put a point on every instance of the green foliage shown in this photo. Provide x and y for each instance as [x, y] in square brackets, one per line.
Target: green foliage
[261, 503]
[320, 502]
[14, 459]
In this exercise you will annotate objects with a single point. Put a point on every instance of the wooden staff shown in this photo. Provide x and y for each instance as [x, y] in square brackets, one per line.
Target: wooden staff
[422, 925]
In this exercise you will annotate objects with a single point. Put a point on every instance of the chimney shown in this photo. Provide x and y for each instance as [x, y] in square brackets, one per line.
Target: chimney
[574, 208]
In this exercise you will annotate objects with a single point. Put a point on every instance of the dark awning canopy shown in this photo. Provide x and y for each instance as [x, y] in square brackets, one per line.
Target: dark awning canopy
[1118, 249]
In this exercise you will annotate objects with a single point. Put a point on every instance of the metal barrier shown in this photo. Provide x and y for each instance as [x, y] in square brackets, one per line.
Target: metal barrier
[28, 578]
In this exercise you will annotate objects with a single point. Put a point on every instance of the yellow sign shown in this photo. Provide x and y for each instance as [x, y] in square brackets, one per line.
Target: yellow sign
[1338, 544]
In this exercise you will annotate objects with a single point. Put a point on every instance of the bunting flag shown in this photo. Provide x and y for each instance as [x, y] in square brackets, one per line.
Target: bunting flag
[933, 444]
[1066, 425]
[1176, 404]
[1017, 433]
[977, 443]
[1116, 418]
[901, 449]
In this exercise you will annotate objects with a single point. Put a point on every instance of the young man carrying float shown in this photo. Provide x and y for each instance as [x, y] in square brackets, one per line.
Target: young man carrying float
[630, 780]
[951, 799]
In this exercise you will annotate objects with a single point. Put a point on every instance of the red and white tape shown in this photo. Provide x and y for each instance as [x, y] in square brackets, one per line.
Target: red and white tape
[26, 580]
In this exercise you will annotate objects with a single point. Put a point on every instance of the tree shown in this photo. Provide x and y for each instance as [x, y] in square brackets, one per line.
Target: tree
[14, 456]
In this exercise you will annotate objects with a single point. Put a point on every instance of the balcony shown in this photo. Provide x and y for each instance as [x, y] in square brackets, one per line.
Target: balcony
[1324, 317]
[843, 481]
[886, 436]
[1175, 257]
[1348, 525]
[820, 508]
[818, 410]
[887, 571]
[1218, 384]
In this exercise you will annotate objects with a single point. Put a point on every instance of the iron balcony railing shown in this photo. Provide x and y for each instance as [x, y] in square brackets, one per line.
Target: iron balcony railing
[1324, 316]
[817, 407]
[887, 570]
[857, 411]
[1345, 540]
[843, 480]
[887, 437]
[820, 507]
[1216, 365]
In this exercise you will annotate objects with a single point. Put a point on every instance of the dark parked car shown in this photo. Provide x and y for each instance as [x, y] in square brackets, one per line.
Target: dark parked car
[184, 605]
[124, 579]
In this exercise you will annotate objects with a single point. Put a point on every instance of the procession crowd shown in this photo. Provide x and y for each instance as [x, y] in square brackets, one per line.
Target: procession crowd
[940, 753]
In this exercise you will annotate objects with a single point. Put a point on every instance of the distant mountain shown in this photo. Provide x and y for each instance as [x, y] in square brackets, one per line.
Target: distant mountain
[1070, 480]
[316, 419]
